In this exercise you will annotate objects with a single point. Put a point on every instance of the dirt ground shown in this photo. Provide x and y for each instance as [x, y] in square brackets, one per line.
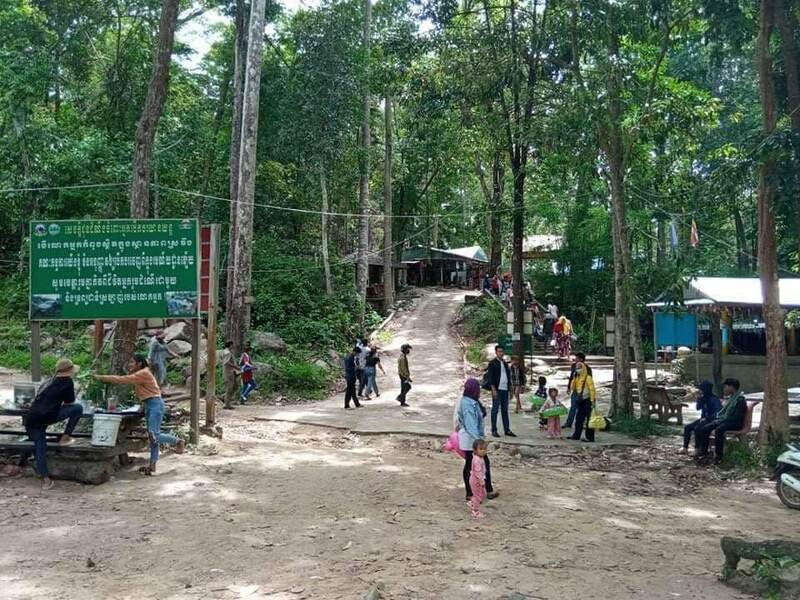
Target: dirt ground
[285, 511]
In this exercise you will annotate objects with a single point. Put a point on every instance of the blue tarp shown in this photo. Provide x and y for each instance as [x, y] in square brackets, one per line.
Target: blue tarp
[675, 329]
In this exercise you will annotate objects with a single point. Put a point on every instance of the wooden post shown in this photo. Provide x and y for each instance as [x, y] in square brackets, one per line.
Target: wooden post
[36, 351]
[655, 349]
[99, 335]
[211, 342]
[197, 324]
[716, 342]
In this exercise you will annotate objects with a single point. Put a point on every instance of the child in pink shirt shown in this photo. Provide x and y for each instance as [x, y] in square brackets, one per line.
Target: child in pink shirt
[477, 478]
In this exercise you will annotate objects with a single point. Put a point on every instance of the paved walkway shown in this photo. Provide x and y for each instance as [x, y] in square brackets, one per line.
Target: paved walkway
[437, 372]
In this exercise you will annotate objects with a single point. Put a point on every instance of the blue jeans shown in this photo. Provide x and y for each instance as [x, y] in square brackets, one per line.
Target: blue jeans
[500, 403]
[154, 414]
[246, 389]
[372, 384]
[573, 409]
[72, 413]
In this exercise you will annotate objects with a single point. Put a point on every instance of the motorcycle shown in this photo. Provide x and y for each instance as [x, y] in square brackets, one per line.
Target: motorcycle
[787, 476]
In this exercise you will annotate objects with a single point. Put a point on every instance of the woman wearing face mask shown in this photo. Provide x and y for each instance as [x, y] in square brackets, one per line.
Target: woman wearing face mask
[583, 386]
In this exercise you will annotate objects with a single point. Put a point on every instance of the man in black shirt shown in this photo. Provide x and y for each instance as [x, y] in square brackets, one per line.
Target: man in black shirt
[54, 402]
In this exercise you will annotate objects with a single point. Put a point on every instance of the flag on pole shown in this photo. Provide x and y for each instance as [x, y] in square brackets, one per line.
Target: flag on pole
[694, 238]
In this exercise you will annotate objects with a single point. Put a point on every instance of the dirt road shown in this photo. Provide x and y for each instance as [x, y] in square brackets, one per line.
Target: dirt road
[282, 511]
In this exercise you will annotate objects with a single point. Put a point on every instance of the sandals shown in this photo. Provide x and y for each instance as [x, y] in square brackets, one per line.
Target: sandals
[48, 485]
[146, 471]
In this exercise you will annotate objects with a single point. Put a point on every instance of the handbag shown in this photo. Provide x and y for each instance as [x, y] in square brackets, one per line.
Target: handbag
[597, 421]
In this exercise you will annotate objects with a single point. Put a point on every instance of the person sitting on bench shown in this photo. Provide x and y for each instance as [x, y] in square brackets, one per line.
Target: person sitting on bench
[730, 418]
[709, 406]
[54, 402]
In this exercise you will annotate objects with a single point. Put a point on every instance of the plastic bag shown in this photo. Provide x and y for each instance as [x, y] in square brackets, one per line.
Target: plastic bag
[451, 445]
[597, 421]
[557, 411]
[536, 401]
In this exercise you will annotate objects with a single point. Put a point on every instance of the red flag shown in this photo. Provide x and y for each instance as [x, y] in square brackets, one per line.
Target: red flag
[694, 238]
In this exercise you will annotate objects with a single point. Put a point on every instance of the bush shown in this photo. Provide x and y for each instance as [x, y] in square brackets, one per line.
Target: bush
[484, 321]
[643, 428]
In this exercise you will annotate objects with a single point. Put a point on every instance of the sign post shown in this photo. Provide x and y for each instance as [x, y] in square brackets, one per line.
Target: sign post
[209, 303]
[115, 269]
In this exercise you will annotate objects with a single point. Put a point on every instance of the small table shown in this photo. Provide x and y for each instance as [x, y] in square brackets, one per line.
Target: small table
[80, 461]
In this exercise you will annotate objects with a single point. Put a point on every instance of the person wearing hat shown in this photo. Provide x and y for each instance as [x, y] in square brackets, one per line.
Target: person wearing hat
[54, 402]
[157, 357]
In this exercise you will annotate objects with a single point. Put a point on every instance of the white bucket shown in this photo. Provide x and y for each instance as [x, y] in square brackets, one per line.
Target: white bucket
[104, 429]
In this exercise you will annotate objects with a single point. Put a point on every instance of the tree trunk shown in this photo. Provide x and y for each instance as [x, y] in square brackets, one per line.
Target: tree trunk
[126, 331]
[639, 359]
[786, 24]
[362, 267]
[240, 50]
[326, 265]
[238, 315]
[742, 259]
[208, 163]
[388, 254]
[496, 242]
[774, 428]
[518, 230]
[716, 353]
[612, 141]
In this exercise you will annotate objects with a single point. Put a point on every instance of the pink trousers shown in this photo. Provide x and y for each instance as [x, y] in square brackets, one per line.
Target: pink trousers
[554, 427]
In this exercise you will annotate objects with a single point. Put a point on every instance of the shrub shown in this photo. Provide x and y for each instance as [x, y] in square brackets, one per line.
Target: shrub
[484, 321]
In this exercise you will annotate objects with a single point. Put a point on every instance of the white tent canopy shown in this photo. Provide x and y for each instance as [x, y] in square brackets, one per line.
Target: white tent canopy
[735, 291]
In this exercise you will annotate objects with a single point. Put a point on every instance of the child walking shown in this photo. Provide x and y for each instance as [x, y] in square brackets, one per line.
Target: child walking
[552, 411]
[517, 382]
[477, 478]
[541, 392]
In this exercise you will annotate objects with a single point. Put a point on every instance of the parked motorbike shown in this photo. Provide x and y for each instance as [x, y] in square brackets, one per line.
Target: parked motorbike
[787, 476]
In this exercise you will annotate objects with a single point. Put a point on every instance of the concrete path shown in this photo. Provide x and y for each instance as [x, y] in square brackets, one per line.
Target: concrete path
[437, 372]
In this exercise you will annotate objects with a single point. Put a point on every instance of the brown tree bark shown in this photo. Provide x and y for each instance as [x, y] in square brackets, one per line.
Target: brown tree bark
[126, 331]
[612, 142]
[362, 268]
[240, 52]
[238, 314]
[774, 427]
[388, 251]
[326, 264]
[494, 202]
[742, 258]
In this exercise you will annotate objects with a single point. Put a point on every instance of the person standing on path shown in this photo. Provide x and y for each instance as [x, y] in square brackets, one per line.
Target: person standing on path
[158, 351]
[361, 365]
[469, 422]
[247, 369]
[147, 391]
[518, 381]
[405, 374]
[373, 363]
[230, 372]
[54, 402]
[498, 379]
[350, 377]
[573, 398]
[587, 396]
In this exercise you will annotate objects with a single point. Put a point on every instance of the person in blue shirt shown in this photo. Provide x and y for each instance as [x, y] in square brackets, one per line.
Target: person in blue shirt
[708, 405]
[470, 416]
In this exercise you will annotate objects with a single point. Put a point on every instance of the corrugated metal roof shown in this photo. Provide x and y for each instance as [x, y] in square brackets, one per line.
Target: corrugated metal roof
[734, 291]
[418, 253]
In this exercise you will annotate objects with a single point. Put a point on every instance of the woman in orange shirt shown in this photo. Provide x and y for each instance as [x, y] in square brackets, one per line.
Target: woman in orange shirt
[147, 391]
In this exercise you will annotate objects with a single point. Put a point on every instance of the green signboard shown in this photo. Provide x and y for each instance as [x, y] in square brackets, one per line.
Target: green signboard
[114, 269]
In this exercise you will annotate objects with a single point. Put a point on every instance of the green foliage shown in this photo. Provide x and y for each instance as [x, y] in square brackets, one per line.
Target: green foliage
[484, 321]
[771, 572]
[475, 353]
[640, 428]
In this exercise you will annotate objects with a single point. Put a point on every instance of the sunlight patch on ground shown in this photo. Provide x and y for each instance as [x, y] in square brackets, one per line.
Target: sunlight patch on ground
[622, 523]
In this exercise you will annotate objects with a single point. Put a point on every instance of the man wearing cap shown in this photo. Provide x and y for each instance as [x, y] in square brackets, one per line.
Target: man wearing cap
[157, 357]
[54, 402]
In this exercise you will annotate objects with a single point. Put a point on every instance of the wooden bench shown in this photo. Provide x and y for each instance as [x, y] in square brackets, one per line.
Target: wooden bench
[80, 461]
[660, 403]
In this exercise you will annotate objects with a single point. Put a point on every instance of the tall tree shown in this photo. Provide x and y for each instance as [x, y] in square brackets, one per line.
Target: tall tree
[774, 426]
[239, 57]
[362, 267]
[126, 331]
[238, 315]
[388, 161]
